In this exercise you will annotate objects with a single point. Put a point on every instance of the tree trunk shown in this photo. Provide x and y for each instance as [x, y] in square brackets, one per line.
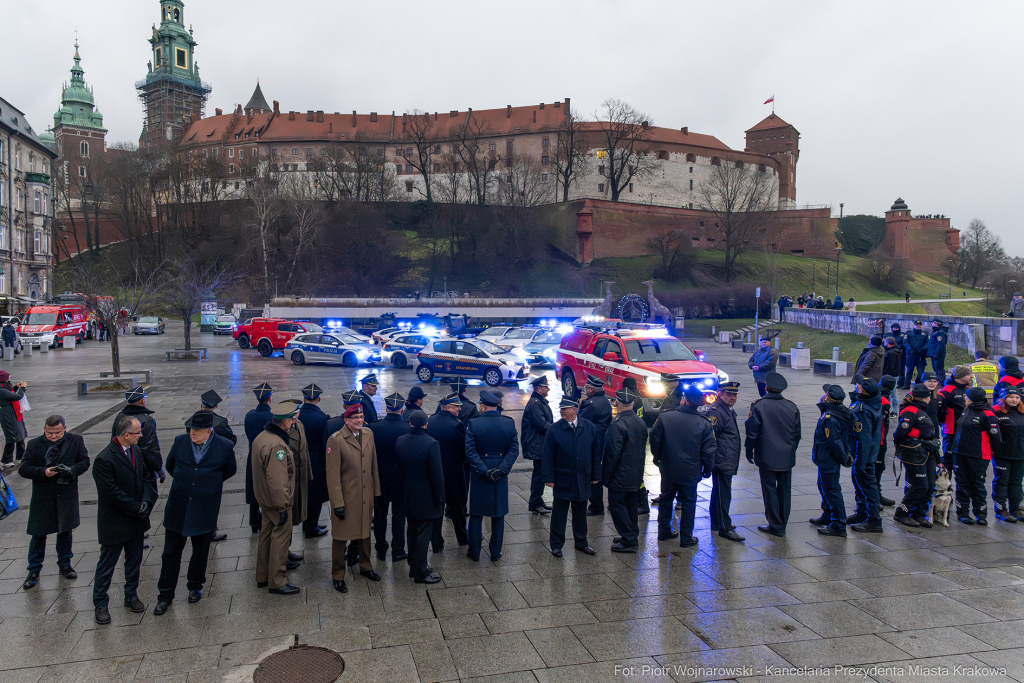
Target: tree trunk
[115, 350]
[188, 333]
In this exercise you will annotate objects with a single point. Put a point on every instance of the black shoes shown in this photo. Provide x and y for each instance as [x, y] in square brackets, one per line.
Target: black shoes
[688, 542]
[768, 530]
[619, 548]
[586, 550]
[731, 535]
[886, 502]
[495, 558]
[832, 531]
[31, 580]
[135, 604]
[318, 534]
[370, 575]
[161, 608]
[540, 511]
[1006, 517]
[966, 520]
[667, 537]
[867, 528]
[595, 513]
[557, 552]
[68, 572]
[294, 557]
[857, 518]
[287, 589]
[352, 561]
[820, 521]
[982, 521]
[438, 548]
[261, 584]
[429, 578]
[412, 574]
[195, 596]
[102, 616]
[292, 564]
[340, 587]
[923, 521]
[218, 537]
[905, 518]
[399, 557]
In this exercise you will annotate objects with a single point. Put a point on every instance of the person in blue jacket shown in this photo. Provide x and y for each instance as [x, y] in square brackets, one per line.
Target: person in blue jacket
[937, 347]
[832, 449]
[867, 428]
[571, 464]
[916, 344]
[492, 447]
[762, 362]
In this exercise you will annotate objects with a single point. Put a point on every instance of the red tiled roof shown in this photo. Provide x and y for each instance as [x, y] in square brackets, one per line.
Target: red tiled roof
[770, 121]
[672, 136]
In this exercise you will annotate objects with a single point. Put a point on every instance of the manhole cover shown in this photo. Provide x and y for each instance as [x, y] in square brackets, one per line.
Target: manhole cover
[302, 664]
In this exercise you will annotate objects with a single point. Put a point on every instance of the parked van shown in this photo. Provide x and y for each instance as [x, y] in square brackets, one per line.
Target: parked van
[48, 324]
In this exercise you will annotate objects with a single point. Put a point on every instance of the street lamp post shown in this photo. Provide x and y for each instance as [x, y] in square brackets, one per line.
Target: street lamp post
[813, 264]
[988, 285]
[838, 250]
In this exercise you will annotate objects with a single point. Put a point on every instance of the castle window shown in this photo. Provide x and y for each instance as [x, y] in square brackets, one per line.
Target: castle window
[398, 168]
[295, 151]
[702, 224]
[180, 58]
[231, 168]
[231, 152]
[739, 164]
[408, 168]
[273, 152]
[691, 169]
[663, 155]
[691, 183]
[691, 158]
[508, 145]
[491, 147]
[177, 15]
[309, 151]
[159, 56]
[544, 142]
[241, 154]
[600, 170]
[437, 149]
[398, 152]
[437, 168]
[37, 206]
[82, 173]
[84, 148]
[600, 187]
[544, 161]
[544, 177]
[323, 152]
[380, 151]
[631, 187]
[761, 168]
[216, 152]
[715, 161]
[408, 186]
[408, 152]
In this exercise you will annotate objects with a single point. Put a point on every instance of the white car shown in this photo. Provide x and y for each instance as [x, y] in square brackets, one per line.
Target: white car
[335, 349]
[401, 348]
[341, 329]
[519, 337]
[470, 357]
[495, 332]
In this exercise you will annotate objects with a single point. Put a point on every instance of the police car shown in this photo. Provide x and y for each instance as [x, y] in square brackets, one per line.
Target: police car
[330, 348]
[542, 349]
[399, 349]
[468, 357]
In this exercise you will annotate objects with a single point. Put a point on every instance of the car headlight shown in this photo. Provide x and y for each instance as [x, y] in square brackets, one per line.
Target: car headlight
[520, 353]
[551, 353]
[655, 385]
[722, 376]
[362, 354]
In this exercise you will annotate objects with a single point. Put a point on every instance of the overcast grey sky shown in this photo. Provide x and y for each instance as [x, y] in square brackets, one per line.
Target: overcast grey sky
[914, 99]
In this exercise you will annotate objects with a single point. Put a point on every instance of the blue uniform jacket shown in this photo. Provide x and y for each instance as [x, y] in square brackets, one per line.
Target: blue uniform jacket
[255, 420]
[765, 360]
[314, 421]
[833, 437]
[193, 503]
[572, 459]
[916, 343]
[867, 431]
[491, 441]
[937, 343]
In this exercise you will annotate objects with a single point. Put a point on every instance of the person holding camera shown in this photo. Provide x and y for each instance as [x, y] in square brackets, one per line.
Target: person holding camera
[11, 419]
[54, 462]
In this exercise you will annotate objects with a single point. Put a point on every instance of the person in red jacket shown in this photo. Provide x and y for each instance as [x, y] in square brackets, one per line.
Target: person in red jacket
[952, 400]
[977, 437]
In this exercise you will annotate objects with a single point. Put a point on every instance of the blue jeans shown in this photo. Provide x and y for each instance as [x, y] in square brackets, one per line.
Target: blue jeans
[37, 551]
[109, 554]
[687, 493]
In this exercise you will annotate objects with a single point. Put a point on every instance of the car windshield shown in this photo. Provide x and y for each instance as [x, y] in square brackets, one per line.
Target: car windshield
[548, 338]
[310, 327]
[40, 319]
[349, 339]
[648, 350]
[149, 320]
[226, 319]
[487, 346]
[493, 332]
[521, 334]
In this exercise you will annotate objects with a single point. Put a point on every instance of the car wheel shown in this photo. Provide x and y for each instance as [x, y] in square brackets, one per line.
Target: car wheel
[298, 358]
[243, 341]
[399, 360]
[349, 360]
[492, 377]
[265, 348]
[425, 374]
[568, 383]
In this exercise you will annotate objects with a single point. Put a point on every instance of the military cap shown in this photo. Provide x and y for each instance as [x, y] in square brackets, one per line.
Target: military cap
[567, 402]
[918, 322]
[416, 393]
[262, 391]
[868, 387]
[920, 391]
[312, 392]
[775, 381]
[834, 392]
[730, 387]
[541, 381]
[936, 320]
[370, 379]
[459, 385]
[350, 398]
[136, 394]
[888, 382]
[394, 401]
[202, 419]
[353, 410]
[669, 377]
[489, 399]
[211, 399]
[451, 400]
[625, 396]
[929, 376]
[284, 410]
[977, 394]
[594, 382]
[694, 395]
[630, 383]
[498, 393]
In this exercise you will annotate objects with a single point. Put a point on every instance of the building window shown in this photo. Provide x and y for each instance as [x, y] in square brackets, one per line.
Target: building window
[600, 187]
[273, 152]
[19, 204]
[216, 152]
[437, 149]
[691, 169]
[17, 159]
[241, 154]
[437, 168]
[544, 161]
[600, 170]
[323, 151]
[508, 145]
[408, 168]
[37, 205]
[231, 152]
[408, 186]
[38, 244]
[491, 147]
[544, 177]
[180, 58]
[398, 168]
[159, 57]
[544, 142]
[295, 151]
[309, 151]
[84, 148]
[398, 152]
[19, 282]
[18, 246]
[408, 152]
[231, 168]
[631, 187]
[691, 183]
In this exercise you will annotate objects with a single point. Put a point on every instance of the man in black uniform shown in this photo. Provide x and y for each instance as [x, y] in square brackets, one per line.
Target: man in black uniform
[727, 459]
[468, 410]
[255, 420]
[369, 390]
[209, 401]
[492, 447]
[890, 407]
[917, 351]
[537, 417]
[899, 340]
[773, 434]
[937, 347]
[597, 409]
[914, 437]
[386, 433]
[148, 442]
[683, 446]
[893, 361]
[867, 434]
[450, 434]
[625, 451]
[832, 450]
[571, 464]
[630, 384]
[314, 421]
[423, 487]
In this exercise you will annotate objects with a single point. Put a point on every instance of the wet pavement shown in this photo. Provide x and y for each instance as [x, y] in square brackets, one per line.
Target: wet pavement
[905, 605]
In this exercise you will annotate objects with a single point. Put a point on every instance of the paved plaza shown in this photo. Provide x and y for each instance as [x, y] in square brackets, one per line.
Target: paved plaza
[920, 602]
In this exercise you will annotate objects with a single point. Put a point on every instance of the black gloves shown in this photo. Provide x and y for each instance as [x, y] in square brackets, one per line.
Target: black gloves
[750, 457]
[849, 459]
[284, 518]
[163, 476]
[143, 510]
[705, 473]
[340, 512]
[494, 475]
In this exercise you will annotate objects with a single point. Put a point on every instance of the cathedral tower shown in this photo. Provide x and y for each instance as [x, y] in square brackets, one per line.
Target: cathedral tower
[172, 93]
[776, 138]
[78, 133]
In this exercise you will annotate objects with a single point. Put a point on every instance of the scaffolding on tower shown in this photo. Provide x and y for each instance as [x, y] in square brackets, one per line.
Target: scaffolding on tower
[168, 103]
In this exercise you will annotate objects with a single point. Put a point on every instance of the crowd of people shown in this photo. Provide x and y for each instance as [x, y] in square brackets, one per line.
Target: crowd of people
[811, 301]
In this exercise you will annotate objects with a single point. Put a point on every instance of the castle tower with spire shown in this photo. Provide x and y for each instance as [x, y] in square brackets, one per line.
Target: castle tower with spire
[78, 135]
[172, 93]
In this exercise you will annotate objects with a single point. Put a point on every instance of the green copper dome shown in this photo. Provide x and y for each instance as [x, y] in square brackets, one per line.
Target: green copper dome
[78, 105]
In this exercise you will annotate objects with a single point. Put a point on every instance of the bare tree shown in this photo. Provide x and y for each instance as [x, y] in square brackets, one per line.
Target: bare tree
[771, 274]
[571, 160]
[81, 195]
[886, 272]
[449, 182]
[262, 215]
[980, 251]
[423, 144]
[192, 194]
[676, 254]
[480, 166]
[306, 218]
[194, 283]
[743, 200]
[624, 135]
[521, 183]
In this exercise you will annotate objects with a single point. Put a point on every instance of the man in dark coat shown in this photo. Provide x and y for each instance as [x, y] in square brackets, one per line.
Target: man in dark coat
[899, 345]
[867, 428]
[209, 401]
[492, 447]
[466, 413]
[423, 486]
[917, 354]
[596, 409]
[832, 449]
[255, 420]
[683, 446]
[871, 362]
[370, 384]
[937, 347]
[450, 434]
[571, 464]
[149, 444]
[773, 434]
[893, 361]
[673, 392]
[9, 335]
[727, 459]
[537, 418]
[386, 433]
[314, 421]
[54, 462]
[124, 502]
[413, 402]
[622, 470]
[200, 462]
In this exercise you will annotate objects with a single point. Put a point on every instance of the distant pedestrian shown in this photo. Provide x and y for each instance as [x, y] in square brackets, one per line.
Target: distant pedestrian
[11, 419]
[10, 335]
[872, 360]
[908, 296]
[1016, 306]
[762, 362]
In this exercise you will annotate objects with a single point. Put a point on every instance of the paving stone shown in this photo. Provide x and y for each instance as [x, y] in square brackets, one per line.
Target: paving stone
[828, 652]
[825, 591]
[509, 621]
[643, 670]
[559, 646]
[741, 598]
[838, 567]
[403, 633]
[496, 654]
[449, 602]
[569, 589]
[938, 670]
[740, 628]
[619, 640]
[462, 626]
[906, 612]
[380, 664]
[983, 578]
[935, 642]
[906, 584]
[433, 662]
[711, 665]
[1001, 603]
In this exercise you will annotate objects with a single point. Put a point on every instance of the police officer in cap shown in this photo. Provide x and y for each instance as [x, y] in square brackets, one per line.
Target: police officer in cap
[450, 434]
[468, 410]
[937, 347]
[386, 433]
[255, 420]
[916, 344]
[673, 392]
[492, 446]
[314, 421]
[370, 384]
[571, 463]
[831, 451]
[727, 459]
[773, 434]
[537, 418]
[209, 401]
[148, 442]
[625, 452]
[597, 409]
[867, 432]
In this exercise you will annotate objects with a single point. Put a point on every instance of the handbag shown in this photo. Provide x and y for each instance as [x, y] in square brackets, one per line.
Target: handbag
[25, 406]
[7, 502]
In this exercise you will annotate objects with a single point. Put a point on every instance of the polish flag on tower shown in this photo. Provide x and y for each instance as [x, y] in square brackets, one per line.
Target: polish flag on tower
[770, 99]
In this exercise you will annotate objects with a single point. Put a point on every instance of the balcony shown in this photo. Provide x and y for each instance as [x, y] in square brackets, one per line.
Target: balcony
[40, 178]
